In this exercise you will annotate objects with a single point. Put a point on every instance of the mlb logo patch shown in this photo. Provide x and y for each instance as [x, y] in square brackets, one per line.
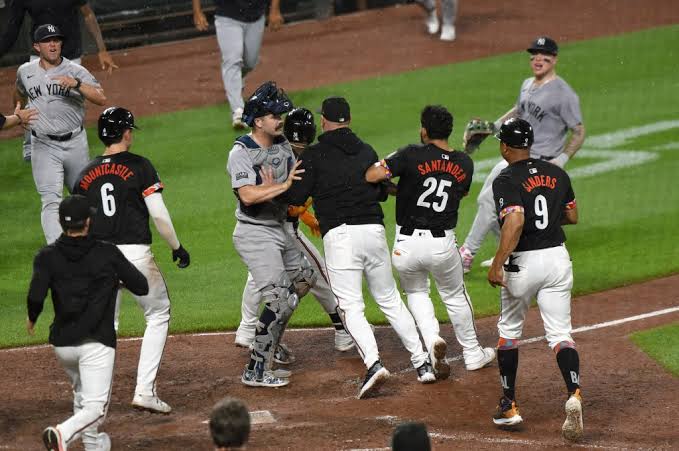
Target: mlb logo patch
[533, 171]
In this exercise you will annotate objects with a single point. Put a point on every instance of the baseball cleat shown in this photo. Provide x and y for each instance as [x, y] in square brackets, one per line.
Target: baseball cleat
[242, 342]
[573, 427]
[51, 437]
[151, 404]
[425, 373]
[283, 355]
[487, 263]
[488, 357]
[282, 373]
[237, 120]
[432, 22]
[260, 378]
[507, 413]
[467, 259]
[343, 341]
[438, 359]
[103, 442]
[448, 32]
[377, 375]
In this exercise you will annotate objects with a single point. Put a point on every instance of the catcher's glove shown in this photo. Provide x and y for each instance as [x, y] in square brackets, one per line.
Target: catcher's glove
[476, 131]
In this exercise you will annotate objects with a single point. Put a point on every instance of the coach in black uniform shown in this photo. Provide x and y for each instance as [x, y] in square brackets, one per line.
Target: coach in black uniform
[83, 275]
[533, 198]
[126, 190]
[350, 217]
[433, 179]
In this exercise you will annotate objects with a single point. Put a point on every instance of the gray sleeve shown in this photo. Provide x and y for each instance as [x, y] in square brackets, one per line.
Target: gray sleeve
[240, 167]
[524, 85]
[85, 75]
[570, 109]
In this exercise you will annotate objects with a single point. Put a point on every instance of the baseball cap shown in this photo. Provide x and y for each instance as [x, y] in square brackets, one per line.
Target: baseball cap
[336, 109]
[544, 44]
[46, 31]
[74, 210]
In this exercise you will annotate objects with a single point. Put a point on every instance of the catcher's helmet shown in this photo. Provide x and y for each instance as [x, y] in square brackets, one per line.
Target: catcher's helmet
[267, 99]
[113, 122]
[299, 126]
[516, 133]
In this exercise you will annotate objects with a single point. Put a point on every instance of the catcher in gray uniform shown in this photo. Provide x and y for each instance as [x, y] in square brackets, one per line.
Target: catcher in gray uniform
[552, 108]
[57, 88]
[262, 166]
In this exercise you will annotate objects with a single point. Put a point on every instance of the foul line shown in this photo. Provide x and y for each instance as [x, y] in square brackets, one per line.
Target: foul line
[459, 357]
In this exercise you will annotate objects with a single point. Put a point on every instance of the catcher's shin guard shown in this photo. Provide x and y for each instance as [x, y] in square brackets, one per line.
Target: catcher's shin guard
[304, 279]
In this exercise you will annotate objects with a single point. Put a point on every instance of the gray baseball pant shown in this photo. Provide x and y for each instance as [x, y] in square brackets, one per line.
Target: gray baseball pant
[448, 9]
[239, 43]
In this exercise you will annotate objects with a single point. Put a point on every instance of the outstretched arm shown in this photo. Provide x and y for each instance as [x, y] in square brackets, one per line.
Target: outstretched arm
[91, 23]
[161, 218]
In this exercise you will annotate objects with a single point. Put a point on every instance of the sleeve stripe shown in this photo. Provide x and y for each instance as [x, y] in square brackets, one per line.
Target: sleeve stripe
[571, 205]
[152, 189]
[510, 209]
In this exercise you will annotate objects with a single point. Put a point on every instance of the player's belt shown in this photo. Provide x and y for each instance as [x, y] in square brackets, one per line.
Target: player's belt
[436, 233]
[64, 137]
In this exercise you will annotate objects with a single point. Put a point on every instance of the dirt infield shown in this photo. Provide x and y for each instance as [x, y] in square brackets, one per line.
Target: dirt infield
[186, 74]
[627, 396]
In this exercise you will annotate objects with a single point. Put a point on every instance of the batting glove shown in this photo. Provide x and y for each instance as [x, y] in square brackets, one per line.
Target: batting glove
[182, 255]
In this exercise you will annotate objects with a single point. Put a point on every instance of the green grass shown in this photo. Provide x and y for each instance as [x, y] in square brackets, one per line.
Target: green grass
[625, 214]
[662, 344]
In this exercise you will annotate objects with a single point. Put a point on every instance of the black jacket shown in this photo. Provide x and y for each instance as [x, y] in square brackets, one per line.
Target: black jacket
[83, 275]
[335, 178]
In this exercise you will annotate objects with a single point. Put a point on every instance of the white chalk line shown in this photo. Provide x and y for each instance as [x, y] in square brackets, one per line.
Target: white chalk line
[317, 329]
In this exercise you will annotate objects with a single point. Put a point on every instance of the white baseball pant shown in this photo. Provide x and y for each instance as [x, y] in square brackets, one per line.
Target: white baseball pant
[545, 274]
[415, 257]
[486, 217]
[350, 252]
[252, 299]
[90, 368]
[156, 306]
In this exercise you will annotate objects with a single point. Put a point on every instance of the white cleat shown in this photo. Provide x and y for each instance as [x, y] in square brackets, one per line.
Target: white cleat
[573, 426]
[432, 22]
[448, 32]
[237, 120]
[438, 359]
[343, 341]
[103, 442]
[487, 263]
[488, 357]
[150, 403]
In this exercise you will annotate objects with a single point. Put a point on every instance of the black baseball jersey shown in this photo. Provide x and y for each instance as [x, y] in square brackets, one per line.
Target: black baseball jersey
[542, 191]
[432, 181]
[116, 186]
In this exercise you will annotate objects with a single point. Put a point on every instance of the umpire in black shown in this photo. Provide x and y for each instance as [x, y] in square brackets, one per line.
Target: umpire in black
[83, 275]
[351, 222]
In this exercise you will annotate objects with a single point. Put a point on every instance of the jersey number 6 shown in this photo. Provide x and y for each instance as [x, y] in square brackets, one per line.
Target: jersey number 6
[431, 183]
[108, 202]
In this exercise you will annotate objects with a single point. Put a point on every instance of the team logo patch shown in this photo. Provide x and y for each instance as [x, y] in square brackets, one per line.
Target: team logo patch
[541, 41]
[241, 175]
[275, 162]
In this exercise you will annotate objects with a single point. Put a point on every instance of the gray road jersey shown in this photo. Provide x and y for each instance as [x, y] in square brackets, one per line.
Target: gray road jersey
[61, 110]
[552, 109]
[243, 167]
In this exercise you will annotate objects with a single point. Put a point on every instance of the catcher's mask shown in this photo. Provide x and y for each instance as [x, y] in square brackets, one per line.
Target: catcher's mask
[267, 99]
[516, 133]
[113, 122]
[299, 126]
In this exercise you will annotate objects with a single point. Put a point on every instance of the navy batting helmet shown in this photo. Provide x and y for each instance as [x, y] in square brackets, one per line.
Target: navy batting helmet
[113, 122]
[267, 99]
[516, 133]
[299, 126]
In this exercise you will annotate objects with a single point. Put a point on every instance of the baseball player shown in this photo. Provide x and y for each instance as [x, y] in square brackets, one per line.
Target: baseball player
[300, 131]
[262, 166]
[552, 108]
[20, 117]
[63, 14]
[448, 14]
[57, 88]
[352, 226]
[239, 25]
[83, 275]
[125, 189]
[433, 179]
[533, 198]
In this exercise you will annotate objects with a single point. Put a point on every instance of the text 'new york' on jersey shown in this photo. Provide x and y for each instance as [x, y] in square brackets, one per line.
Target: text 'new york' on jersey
[432, 181]
[116, 186]
[543, 191]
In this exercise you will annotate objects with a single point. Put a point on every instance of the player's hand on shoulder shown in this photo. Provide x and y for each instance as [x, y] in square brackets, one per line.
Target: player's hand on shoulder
[182, 255]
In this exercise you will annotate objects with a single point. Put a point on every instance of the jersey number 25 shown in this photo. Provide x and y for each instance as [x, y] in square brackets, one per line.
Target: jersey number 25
[442, 197]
